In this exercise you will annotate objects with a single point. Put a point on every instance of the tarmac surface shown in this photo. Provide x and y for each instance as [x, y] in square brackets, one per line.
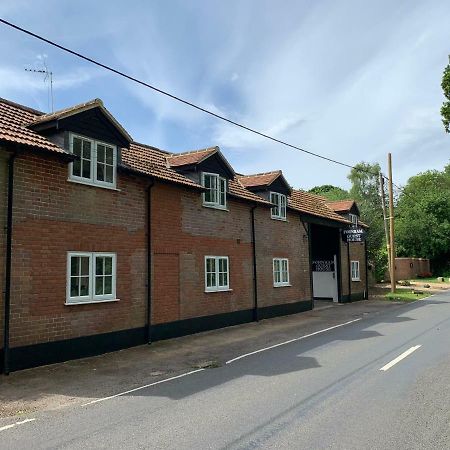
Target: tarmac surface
[307, 381]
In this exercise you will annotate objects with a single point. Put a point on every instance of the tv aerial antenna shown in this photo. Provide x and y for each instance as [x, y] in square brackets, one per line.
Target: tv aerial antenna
[48, 76]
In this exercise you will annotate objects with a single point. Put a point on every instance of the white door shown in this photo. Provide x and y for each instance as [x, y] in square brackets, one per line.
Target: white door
[325, 279]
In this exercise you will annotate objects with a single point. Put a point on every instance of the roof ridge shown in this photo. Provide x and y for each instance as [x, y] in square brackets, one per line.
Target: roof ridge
[260, 174]
[195, 151]
[340, 201]
[20, 106]
[44, 116]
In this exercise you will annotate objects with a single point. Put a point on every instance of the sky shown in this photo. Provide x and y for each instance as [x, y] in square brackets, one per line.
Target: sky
[351, 80]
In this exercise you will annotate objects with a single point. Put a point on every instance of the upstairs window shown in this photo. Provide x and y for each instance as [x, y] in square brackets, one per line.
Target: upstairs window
[217, 273]
[355, 270]
[96, 162]
[216, 190]
[353, 219]
[279, 210]
[280, 272]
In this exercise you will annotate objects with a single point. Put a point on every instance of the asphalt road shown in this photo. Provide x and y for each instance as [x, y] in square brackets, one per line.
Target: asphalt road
[323, 391]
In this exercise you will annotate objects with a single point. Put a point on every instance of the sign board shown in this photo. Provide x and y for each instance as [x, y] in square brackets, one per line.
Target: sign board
[354, 234]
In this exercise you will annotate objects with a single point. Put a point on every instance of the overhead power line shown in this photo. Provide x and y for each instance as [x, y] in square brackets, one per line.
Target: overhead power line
[179, 99]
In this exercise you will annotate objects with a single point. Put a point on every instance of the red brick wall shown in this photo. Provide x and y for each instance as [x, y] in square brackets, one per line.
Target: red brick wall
[281, 239]
[53, 216]
[357, 253]
[3, 208]
[183, 233]
[404, 271]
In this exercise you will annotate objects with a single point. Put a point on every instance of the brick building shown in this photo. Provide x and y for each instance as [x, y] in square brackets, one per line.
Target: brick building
[106, 243]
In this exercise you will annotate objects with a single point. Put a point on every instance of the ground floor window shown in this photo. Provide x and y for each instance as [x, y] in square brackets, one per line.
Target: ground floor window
[280, 272]
[217, 273]
[355, 270]
[91, 277]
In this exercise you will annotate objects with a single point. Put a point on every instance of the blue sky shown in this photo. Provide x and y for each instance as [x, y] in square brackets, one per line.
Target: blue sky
[351, 80]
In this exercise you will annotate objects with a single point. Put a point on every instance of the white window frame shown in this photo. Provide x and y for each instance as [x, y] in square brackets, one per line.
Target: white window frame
[92, 180]
[220, 189]
[217, 288]
[91, 297]
[281, 203]
[353, 219]
[354, 265]
[281, 282]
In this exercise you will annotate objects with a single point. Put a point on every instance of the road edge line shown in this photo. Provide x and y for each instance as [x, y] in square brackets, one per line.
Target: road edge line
[293, 340]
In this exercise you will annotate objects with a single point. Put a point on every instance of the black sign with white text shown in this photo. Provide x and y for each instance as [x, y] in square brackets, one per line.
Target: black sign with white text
[354, 234]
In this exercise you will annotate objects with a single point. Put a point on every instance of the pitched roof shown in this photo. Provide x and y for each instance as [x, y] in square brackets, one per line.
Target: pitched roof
[191, 157]
[236, 189]
[314, 205]
[13, 127]
[76, 109]
[341, 205]
[152, 161]
[259, 179]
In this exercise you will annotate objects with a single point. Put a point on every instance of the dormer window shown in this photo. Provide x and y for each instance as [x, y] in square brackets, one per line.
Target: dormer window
[215, 195]
[353, 219]
[279, 210]
[96, 162]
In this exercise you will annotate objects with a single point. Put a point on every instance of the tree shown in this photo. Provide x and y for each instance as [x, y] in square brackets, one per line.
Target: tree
[445, 109]
[423, 219]
[330, 192]
[365, 191]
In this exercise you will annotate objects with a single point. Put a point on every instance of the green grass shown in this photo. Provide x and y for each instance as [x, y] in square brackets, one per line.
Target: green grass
[428, 280]
[405, 296]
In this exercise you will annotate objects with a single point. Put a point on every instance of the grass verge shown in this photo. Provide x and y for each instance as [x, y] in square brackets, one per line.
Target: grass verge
[405, 296]
[429, 280]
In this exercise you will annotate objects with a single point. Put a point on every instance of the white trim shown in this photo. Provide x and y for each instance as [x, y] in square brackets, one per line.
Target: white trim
[355, 274]
[217, 288]
[353, 219]
[92, 180]
[218, 179]
[282, 208]
[91, 297]
[280, 283]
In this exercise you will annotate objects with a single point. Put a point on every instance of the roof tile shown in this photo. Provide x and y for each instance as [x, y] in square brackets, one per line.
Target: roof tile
[259, 179]
[13, 121]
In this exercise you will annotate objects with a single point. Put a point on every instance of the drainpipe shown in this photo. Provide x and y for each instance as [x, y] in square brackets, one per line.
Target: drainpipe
[9, 225]
[349, 265]
[255, 280]
[310, 264]
[367, 271]
[149, 262]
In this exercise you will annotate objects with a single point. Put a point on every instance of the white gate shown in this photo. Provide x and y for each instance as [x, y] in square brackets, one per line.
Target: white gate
[325, 279]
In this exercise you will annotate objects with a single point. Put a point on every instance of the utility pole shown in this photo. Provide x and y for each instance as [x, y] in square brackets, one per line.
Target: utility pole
[391, 224]
[386, 229]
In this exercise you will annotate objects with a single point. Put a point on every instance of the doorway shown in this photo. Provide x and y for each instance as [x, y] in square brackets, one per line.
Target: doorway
[325, 262]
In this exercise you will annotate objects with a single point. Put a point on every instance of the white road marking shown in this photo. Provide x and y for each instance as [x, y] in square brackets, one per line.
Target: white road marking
[399, 358]
[7, 427]
[292, 340]
[141, 387]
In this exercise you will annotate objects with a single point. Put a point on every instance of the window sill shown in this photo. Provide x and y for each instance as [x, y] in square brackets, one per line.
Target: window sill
[356, 279]
[218, 290]
[282, 285]
[86, 183]
[280, 219]
[221, 208]
[90, 302]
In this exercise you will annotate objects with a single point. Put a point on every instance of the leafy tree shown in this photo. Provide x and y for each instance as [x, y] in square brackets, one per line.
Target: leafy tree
[365, 191]
[445, 109]
[423, 219]
[330, 192]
